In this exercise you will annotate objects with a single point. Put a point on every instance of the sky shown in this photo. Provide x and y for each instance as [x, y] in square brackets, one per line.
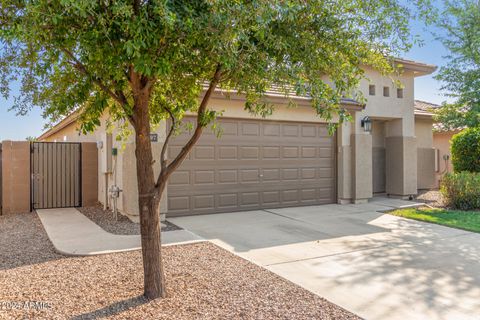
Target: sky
[13, 127]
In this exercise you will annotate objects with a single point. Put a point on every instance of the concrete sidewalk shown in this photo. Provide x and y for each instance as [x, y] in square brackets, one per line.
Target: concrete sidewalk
[74, 234]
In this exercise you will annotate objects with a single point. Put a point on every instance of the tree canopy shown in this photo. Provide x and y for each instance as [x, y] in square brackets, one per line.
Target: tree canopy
[461, 74]
[73, 54]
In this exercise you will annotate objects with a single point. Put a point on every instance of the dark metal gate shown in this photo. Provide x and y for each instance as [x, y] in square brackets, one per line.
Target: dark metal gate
[56, 175]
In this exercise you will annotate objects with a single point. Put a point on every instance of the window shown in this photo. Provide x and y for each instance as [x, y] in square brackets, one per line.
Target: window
[400, 93]
[371, 89]
[386, 91]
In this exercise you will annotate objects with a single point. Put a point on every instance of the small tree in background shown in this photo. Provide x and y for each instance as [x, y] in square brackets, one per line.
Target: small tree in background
[461, 74]
[465, 149]
[143, 62]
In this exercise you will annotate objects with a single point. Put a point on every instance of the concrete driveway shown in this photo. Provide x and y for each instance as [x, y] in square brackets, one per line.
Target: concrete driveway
[375, 265]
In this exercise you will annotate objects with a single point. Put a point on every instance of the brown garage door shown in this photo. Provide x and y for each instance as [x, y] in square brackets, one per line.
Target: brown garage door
[255, 164]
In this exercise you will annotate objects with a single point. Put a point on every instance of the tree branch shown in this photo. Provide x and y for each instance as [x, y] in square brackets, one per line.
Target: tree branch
[164, 174]
[163, 162]
[77, 64]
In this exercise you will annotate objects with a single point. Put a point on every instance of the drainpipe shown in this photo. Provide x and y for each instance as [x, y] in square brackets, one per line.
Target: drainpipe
[105, 193]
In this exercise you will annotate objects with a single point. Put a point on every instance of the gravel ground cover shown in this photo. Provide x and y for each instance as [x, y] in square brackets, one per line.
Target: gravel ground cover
[123, 226]
[432, 198]
[203, 282]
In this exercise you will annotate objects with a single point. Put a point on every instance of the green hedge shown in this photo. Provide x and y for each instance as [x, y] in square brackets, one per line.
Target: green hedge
[461, 190]
[466, 150]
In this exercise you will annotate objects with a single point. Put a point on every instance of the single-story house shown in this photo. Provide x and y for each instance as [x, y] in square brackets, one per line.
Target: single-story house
[441, 141]
[287, 159]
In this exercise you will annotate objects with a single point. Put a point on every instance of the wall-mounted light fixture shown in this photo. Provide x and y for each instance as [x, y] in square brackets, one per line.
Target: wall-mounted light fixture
[99, 144]
[366, 124]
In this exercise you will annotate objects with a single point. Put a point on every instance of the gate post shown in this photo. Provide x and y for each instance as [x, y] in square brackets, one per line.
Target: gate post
[89, 174]
[16, 177]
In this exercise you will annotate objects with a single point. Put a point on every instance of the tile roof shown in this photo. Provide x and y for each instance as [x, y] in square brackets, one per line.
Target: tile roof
[423, 108]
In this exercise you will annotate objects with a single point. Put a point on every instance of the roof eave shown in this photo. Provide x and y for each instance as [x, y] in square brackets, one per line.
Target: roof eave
[418, 68]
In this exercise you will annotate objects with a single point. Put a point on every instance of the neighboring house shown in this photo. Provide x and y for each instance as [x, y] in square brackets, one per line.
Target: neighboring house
[441, 141]
[288, 159]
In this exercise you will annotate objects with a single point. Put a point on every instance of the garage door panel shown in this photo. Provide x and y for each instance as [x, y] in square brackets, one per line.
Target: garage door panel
[290, 195]
[289, 130]
[227, 152]
[290, 152]
[308, 173]
[309, 152]
[180, 177]
[249, 199]
[250, 129]
[271, 152]
[204, 177]
[249, 175]
[254, 164]
[227, 176]
[229, 128]
[290, 174]
[309, 131]
[249, 152]
[178, 203]
[271, 129]
[271, 197]
[204, 201]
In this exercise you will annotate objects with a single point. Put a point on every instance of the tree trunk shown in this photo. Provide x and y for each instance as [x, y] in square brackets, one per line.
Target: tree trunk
[154, 278]
[149, 192]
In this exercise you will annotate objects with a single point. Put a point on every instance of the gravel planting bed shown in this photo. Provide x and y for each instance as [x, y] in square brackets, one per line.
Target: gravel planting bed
[432, 198]
[203, 282]
[123, 226]
[23, 241]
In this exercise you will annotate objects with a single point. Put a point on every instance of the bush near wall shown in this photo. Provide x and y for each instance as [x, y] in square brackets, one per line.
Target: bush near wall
[461, 190]
[466, 150]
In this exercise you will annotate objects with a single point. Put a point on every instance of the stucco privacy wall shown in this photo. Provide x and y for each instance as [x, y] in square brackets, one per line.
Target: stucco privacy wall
[401, 162]
[425, 153]
[15, 176]
[16, 182]
[89, 174]
[441, 142]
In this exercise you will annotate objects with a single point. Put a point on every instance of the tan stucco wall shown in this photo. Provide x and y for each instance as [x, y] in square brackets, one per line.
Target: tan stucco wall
[425, 153]
[89, 174]
[424, 132]
[362, 167]
[441, 141]
[401, 166]
[425, 168]
[15, 176]
[387, 108]
[344, 163]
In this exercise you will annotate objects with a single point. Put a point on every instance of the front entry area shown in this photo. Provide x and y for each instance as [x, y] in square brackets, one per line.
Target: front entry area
[56, 175]
[254, 164]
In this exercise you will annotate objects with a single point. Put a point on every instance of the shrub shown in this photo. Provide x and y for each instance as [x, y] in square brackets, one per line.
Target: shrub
[466, 150]
[461, 190]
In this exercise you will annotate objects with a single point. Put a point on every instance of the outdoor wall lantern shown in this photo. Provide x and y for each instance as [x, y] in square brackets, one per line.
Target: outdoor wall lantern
[367, 124]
